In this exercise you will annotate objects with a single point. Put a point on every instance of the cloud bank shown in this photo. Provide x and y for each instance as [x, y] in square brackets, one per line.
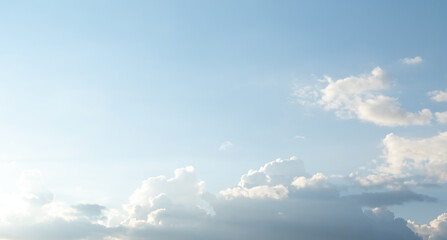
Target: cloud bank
[279, 200]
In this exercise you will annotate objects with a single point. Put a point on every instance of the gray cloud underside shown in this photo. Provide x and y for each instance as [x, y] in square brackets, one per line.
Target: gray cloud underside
[304, 215]
[381, 199]
[284, 202]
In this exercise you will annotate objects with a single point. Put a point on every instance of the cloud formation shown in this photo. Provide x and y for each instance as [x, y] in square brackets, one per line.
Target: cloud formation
[225, 145]
[408, 162]
[304, 207]
[441, 117]
[359, 97]
[435, 230]
[438, 96]
[168, 201]
[412, 61]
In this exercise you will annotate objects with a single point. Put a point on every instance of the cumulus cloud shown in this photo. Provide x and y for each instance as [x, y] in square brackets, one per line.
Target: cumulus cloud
[359, 96]
[275, 192]
[408, 161]
[279, 200]
[302, 214]
[316, 181]
[413, 60]
[31, 213]
[225, 145]
[435, 230]
[279, 171]
[268, 181]
[441, 117]
[168, 201]
[386, 111]
[407, 157]
[438, 96]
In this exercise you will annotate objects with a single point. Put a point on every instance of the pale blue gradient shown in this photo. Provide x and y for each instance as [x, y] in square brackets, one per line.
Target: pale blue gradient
[100, 95]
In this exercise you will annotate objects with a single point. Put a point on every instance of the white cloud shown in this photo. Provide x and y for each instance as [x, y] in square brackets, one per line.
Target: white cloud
[357, 96]
[386, 111]
[345, 92]
[438, 96]
[276, 172]
[316, 181]
[408, 157]
[268, 181]
[411, 61]
[409, 161]
[167, 201]
[277, 201]
[441, 117]
[260, 192]
[225, 145]
[435, 230]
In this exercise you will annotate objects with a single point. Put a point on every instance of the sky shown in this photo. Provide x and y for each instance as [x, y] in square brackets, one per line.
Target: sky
[223, 120]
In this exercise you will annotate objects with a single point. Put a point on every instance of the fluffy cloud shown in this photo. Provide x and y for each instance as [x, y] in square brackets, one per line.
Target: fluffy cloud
[409, 161]
[275, 192]
[309, 212]
[386, 111]
[438, 96]
[168, 201]
[435, 230]
[316, 181]
[411, 61]
[268, 181]
[280, 171]
[358, 96]
[441, 117]
[411, 157]
[301, 207]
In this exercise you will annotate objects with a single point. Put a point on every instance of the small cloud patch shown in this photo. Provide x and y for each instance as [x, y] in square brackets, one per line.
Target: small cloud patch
[225, 146]
[412, 61]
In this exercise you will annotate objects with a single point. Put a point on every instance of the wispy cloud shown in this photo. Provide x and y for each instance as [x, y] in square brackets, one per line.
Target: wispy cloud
[411, 61]
[225, 145]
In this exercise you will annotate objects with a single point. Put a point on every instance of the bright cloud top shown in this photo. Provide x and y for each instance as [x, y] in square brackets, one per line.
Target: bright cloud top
[408, 161]
[359, 96]
[435, 230]
[412, 61]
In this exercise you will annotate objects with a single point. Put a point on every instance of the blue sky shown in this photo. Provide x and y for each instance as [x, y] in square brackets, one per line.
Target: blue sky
[98, 96]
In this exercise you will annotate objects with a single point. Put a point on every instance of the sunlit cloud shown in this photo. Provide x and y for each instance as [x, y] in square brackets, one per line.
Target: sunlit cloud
[359, 97]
